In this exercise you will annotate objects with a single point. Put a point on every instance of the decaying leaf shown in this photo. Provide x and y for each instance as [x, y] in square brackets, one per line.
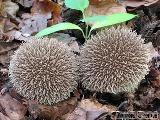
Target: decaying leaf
[151, 33]
[148, 96]
[8, 26]
[1, 9]
[104, 7]
[6, 50]
[7, 29]
[45, 7]
[25, 3]
[94, 105]
[137, 3]
[7, 8]
[60, 2]
[2, 23]
[3, 117]
[43, 13]
[13, 109]
[52, 112]
[89, 109]
[10, 7]
[156, 83]
[33, 23]
[5, 47]
[101, 2]
[77, 114]
[156, 76]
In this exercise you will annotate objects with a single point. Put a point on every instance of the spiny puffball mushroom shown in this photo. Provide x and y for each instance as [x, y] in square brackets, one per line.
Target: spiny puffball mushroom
[114, 60]
[43, 70]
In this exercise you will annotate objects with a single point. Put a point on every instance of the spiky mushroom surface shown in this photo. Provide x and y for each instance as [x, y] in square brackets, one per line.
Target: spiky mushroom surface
[114, 60]
[43, 70]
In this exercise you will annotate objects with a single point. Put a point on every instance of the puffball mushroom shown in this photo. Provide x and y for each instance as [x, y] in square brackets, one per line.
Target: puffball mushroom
[114, 60]
[43, 70]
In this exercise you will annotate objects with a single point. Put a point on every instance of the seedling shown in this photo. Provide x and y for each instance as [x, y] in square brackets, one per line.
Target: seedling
[94, 21]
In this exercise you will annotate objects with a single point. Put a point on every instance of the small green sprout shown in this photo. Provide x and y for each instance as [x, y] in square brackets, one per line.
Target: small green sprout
[95, 21]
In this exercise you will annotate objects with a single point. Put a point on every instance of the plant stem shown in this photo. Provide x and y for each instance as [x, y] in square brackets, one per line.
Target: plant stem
[89, 34]
[83, 34]
[86, 31]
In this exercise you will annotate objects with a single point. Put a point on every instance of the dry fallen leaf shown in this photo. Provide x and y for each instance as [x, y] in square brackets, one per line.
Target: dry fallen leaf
[7, 8]
[45, 7]
[89, 109]
[6, 30]
[10, 7]
[104, 7]
[13, 109]
[43, 13]
[148, 96]
[60, 2]
[77, 114]
[6, 50]
[51, 112]
[137, 3]
[5, 47]
[25, 3]
[2, 23]
[2, 13]
[8, 26]
[33, 23]
[94, 105]
[156, 75]
[101, 2]
[3, 117]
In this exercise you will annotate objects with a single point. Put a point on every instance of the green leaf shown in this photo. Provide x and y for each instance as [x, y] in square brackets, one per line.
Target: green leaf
[57, 27]
[77, 4]
[92, 20]
[113, 19]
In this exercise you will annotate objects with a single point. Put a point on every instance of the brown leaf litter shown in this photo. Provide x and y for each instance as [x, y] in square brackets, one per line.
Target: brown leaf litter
[52, 112]
[137, 3]
[151, 33]
[89, 109]
[104, 7]
[12, 108]
[25, 3]
[6, 50]
[19, 25]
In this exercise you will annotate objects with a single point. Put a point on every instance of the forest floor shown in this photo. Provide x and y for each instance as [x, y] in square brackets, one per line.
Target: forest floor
[20, 19]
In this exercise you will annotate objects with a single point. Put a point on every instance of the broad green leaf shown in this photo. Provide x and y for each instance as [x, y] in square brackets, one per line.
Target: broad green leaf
[77, 4]
[113, 19]
[92, 20]
[57, 27]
